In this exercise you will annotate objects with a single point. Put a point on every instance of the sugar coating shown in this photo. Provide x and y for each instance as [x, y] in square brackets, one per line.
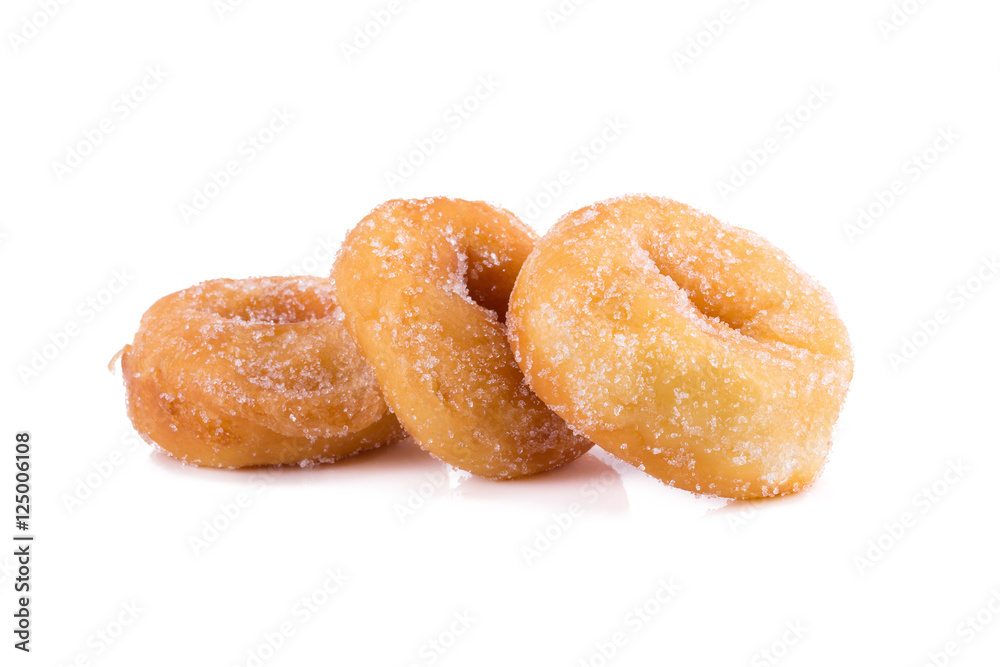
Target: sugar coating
[258, 371]
[424, 285]
[692, 349]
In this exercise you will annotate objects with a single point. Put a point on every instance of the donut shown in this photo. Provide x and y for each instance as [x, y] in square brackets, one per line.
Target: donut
[255, 372]
[693, 350]
[424, 285]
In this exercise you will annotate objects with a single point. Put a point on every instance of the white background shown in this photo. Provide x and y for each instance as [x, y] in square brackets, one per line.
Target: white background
[882, 562]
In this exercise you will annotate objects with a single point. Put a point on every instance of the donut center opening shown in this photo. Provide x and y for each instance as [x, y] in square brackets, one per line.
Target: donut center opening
[273, 314]
[690, 285]
[283, 308]
[487, 284]
[717, 312]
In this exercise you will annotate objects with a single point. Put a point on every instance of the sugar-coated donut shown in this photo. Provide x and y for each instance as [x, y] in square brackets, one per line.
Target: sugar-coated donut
[424, 285]
[691, 349]
[235, 373]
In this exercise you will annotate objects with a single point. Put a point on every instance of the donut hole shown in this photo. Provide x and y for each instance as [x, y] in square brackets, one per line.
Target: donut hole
[270, 305]
[272, 314]
[717, 312]
[487, 293]
[484, 281]
[695, 289]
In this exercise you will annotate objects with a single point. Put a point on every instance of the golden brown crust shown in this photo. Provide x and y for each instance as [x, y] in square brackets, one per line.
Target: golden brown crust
[691, 349]
[234, 373]
[424, 285]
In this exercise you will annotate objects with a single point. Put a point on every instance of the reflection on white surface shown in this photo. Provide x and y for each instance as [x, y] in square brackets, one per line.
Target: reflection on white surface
[411, 480]
[401, 458]
[589, 480]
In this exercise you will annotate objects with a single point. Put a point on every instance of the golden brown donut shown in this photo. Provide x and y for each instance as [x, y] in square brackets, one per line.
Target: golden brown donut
[694, 350]
[424, 285]
[235, 373]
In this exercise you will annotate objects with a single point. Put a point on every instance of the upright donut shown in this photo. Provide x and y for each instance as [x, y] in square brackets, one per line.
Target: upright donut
[691, 349]
[424, 285]
[237, 373]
